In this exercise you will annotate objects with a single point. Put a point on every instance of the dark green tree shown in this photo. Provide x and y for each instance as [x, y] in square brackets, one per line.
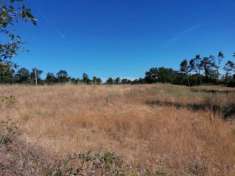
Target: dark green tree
[117, 80]
[151, 76]
[62, 76]
[162, 74]
[110, 81]
[50, 78]
[125, 81]
[166, 75]
[96, 80]
[85, 78]
[6, 73]
[23, 76]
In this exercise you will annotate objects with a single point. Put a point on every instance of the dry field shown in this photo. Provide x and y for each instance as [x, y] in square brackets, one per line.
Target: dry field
[166, 129]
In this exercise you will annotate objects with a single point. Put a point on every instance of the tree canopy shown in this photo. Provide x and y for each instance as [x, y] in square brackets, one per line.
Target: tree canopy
[12, 12]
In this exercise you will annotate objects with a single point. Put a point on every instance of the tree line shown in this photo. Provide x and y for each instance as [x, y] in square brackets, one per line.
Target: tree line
[213, 69]
[199, 70]
[196, 71]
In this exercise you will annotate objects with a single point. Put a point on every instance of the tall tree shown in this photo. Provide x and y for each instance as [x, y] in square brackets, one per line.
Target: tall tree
[210, 68]
[11, 12]
[184, 66]
[220, 57]
[195, 64]
[229, 68]
[85, 78]
[185, 69]
[196, 67]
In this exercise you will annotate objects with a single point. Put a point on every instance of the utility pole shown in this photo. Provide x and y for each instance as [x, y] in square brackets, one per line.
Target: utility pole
[36, 76]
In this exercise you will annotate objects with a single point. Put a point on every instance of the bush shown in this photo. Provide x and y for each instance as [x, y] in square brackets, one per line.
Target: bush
[103, 163]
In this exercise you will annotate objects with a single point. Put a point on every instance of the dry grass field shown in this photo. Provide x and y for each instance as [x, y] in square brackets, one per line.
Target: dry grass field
[165, 129]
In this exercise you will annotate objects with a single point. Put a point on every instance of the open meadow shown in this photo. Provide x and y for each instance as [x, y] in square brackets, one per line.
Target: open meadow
[154, 129]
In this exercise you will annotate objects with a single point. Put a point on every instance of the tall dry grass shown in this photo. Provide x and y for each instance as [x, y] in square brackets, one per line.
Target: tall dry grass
[161, 127]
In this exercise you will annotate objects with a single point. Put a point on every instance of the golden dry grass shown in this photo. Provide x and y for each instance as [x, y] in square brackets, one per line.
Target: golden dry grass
[171, 136]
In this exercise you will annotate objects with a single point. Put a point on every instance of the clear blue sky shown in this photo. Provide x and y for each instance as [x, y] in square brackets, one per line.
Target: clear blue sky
[124, 37]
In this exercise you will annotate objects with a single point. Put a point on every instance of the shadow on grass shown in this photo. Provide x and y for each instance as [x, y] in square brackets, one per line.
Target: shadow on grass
[213, 91]
[227, 111]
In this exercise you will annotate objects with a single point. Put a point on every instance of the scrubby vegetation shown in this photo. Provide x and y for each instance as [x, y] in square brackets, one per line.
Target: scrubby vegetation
[129, 130]
[196, 71]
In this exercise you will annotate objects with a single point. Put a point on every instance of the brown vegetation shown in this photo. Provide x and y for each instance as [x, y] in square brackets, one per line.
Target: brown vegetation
[170, 129]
